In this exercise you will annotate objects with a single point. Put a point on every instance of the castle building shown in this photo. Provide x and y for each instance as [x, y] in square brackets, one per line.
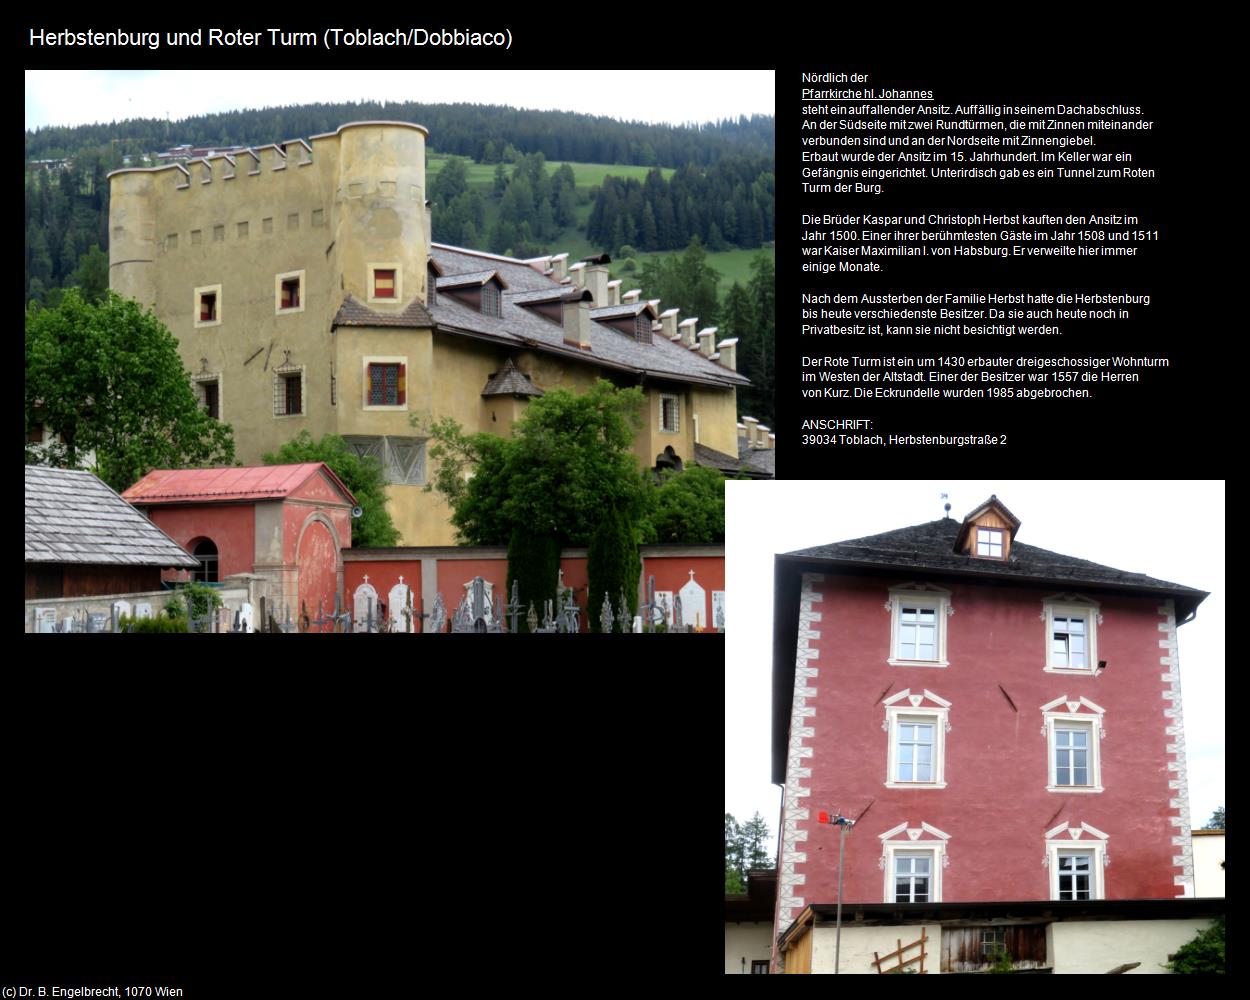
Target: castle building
[305, 293]
[1002, 722]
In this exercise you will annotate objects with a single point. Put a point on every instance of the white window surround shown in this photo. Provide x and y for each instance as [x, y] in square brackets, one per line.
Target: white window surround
[280, 375]
[197, 382]
[210, 290]
[919, 596]
[381, 359]
[1069, 606]
[924, 708]
[1083, 839]
[277, 292]
[923, 839]
[392, 265]
[1063, 713]
[676, 413]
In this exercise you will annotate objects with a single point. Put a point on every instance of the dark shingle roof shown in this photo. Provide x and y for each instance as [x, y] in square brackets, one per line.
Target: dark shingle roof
[522, 327]
[931, 546]
[353, 312]
[510, 381]
[73, 517]
[469, 278]
[745, 464]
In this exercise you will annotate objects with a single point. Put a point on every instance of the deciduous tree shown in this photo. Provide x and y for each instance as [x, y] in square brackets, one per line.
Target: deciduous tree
[107, 380]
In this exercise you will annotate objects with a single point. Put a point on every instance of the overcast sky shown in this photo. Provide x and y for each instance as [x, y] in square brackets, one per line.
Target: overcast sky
[76, 97]
[1136, 526]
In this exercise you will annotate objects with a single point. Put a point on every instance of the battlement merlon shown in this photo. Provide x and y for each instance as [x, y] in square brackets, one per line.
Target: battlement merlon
[366, 180]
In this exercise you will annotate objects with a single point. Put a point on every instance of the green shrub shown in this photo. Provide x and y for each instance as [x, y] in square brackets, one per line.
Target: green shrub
[1204, 955]
[128, 623]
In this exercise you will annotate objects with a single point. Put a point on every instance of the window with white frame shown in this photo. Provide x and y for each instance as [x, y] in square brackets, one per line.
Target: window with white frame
[916, 725]
[1074, 731]
[918, 625]
[288, 290]
[208, 392]
[385, 284]
[670, 413]
[990, 543]
[1077, 863]
[288, 391]
[913, 860]
[1071, 634]
[913, 876]
[207, 306]
[1075, 874]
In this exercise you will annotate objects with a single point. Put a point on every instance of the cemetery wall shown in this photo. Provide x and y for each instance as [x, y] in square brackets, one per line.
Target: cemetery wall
[60, 608]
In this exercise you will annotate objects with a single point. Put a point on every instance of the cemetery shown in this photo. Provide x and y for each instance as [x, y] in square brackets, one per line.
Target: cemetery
[274, 545]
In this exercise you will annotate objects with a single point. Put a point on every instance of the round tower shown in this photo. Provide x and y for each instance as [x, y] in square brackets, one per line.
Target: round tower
[380, 202]
[132, 235]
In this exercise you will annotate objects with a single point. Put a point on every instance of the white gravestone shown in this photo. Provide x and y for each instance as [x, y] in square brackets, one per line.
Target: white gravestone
[488, 602]
[360, 603]
[396, 602]
[718, 609]
[664, 604]
[245, 617]
[121, 608]
[45, 619]
[693, 603]
[143, 610]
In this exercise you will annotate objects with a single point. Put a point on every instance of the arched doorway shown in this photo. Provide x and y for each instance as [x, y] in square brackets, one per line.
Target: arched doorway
[206, 552]
[318, 561]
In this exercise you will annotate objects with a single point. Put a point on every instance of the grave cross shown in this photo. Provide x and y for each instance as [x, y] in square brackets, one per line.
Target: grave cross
[605, 616]
[679, 622]
[623, 617]
[649, 609]
[514, 605]
[531, 619]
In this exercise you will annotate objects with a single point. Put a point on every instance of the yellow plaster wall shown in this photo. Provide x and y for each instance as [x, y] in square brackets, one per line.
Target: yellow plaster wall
[718, 418]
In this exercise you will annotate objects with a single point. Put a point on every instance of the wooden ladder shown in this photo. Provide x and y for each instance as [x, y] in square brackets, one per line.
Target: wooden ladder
[879, 960]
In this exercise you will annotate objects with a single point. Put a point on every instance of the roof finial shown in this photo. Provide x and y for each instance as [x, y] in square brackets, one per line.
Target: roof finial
[947, 507]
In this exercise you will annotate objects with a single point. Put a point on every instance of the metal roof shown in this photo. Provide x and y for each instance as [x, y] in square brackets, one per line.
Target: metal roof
[256, 482]
[74, 517]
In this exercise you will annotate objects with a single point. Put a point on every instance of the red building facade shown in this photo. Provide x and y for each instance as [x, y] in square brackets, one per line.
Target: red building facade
[1002, 722]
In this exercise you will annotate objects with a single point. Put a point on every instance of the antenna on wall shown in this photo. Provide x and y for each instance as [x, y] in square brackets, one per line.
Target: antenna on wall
[947, 507]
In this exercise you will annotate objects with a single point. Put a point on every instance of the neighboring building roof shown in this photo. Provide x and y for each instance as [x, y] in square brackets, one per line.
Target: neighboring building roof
[761, 461]
[353, 312]
[745, 464]
[524, 328]
[510, 381]
[257, 482]
[758, 902]
[74, 517]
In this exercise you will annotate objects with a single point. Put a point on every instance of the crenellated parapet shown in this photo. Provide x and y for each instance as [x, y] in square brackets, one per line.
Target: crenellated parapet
[363, 183]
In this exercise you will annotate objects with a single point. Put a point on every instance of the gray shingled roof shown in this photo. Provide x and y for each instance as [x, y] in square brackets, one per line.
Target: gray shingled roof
[73, 517]
[523, 328]
[510, 381]
[353, 312]
[761, 461]
[618, 312]
[731, 466]
[469, 278]
[931, 546]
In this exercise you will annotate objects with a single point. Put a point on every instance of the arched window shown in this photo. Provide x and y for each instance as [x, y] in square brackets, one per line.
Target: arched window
[206, 552]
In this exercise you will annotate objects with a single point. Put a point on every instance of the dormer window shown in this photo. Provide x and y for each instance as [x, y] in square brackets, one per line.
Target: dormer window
[492, 301]
[988, 532]
[642, 327]
[990, 543]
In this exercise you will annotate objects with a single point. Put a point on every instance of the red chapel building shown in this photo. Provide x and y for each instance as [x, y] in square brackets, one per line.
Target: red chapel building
[1002, 722]
[286, 524]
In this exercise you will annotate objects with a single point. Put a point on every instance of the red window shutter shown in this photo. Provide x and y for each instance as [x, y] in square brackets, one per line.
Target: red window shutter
[384, 284]
[403, 385]
[370, 391]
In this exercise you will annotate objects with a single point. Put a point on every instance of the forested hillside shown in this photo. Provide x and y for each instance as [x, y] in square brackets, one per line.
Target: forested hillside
[517, 182]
